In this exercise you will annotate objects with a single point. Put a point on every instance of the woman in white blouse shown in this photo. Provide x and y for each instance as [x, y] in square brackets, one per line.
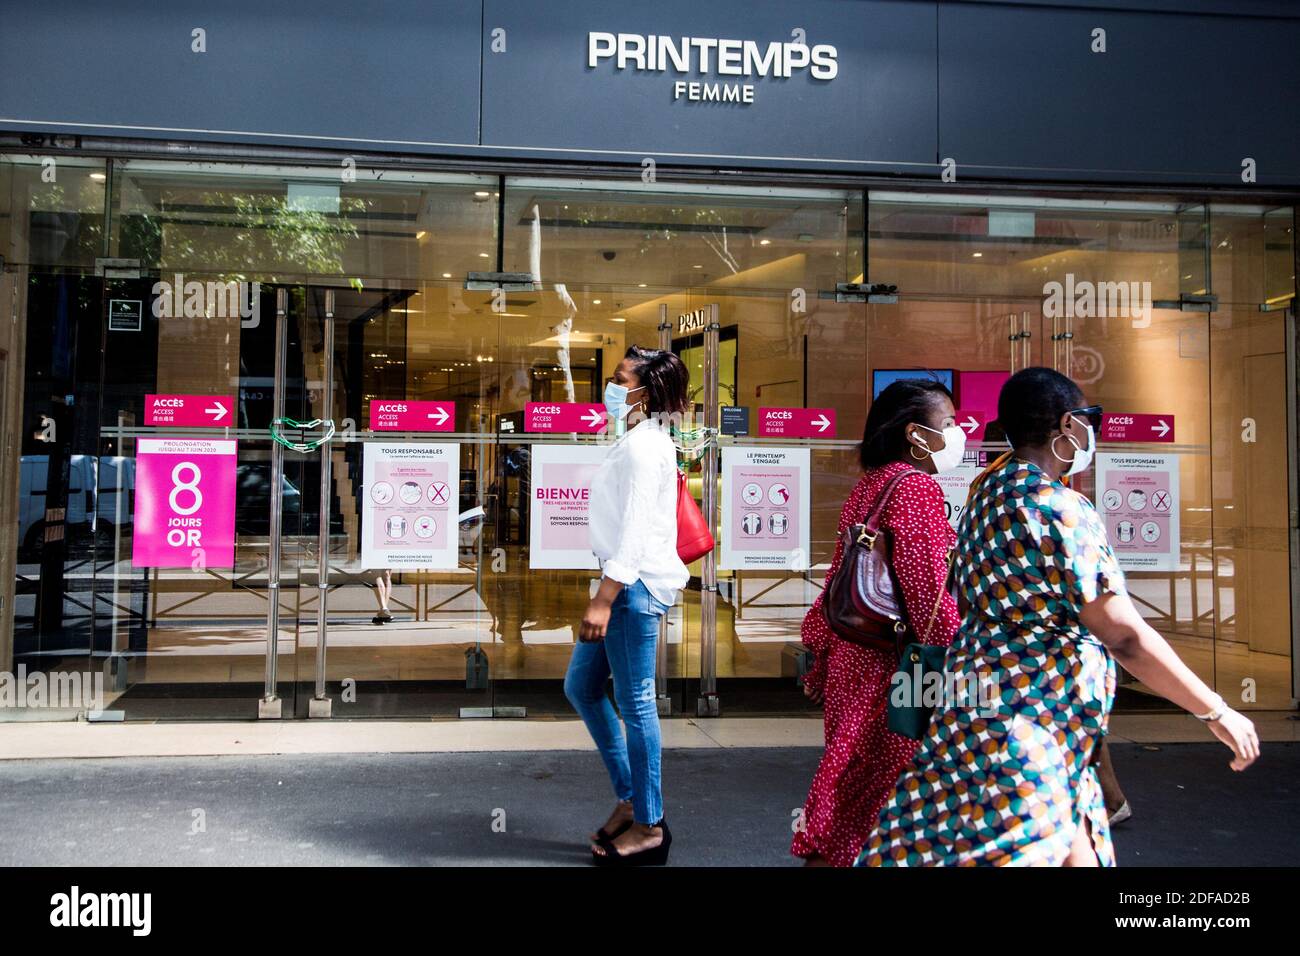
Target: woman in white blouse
[633, 524]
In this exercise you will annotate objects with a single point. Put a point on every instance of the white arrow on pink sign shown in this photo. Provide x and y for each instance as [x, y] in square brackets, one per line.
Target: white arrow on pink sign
[410, 416]
[189, 411]
[579, 417]
[1129, 427]
[796, 422]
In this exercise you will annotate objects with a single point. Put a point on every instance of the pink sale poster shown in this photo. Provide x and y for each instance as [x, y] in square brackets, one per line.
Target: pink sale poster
[410, 505]
[558, 505]
[184, 503]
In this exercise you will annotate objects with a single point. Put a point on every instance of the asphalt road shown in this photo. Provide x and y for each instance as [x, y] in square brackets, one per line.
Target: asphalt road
[726, 807]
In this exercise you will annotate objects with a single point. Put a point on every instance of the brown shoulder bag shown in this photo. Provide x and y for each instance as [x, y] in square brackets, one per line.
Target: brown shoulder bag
[863, 602]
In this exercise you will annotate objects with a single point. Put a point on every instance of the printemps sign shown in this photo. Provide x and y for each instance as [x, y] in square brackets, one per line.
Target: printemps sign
[695, 56]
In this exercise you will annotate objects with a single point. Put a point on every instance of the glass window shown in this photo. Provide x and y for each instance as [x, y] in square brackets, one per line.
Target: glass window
[52, 209]
[269, 220]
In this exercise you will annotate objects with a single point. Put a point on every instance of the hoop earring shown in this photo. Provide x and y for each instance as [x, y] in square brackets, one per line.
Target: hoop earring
[1052, 449]
[915, 457]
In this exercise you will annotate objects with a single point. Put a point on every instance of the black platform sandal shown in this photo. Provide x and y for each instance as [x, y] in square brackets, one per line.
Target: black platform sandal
[619, 830]
[652, 856]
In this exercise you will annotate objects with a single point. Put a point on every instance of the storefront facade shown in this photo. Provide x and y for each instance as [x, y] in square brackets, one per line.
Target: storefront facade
[332, 217]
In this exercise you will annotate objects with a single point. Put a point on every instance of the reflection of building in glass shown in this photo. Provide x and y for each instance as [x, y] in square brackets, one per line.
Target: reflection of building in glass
[581, 262]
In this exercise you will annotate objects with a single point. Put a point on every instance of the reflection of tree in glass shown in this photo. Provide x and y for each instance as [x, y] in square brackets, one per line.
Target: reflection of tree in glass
[239, 234]
[65, 230]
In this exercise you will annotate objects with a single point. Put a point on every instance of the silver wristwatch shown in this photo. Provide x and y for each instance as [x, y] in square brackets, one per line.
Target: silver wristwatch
[1218, 710]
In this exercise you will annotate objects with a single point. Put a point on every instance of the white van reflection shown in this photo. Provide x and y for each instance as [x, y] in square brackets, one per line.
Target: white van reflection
[96, 504]
[253, 504]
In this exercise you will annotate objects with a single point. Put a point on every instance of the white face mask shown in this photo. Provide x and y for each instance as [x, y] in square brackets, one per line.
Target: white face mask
[1082, 456]
[954, 447]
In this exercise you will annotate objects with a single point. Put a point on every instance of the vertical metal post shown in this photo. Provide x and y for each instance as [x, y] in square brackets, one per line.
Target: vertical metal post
[116, 666]
[1069, 346]
[707, 704]
[1020, 335]
[271, 705]
[663, 702]
[320, 705]
[1293, 487]
[1012, 337]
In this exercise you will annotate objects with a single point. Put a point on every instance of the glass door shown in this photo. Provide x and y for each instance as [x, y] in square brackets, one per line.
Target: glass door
[557, 346]
[186, 492]
[55, 566]
[405, 372]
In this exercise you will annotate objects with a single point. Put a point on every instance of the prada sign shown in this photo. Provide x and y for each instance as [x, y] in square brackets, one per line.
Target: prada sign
[695, 321]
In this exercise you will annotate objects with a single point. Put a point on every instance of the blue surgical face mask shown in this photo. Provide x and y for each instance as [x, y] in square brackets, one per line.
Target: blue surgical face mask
[616, 400]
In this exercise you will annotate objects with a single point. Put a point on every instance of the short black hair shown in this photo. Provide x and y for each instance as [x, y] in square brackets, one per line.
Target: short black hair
[902, 402]
[665, 377]
[1032, 402]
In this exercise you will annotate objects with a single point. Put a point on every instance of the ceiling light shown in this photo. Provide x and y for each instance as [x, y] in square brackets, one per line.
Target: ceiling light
[98, 177]
[640, 285]
[481, 193]
[484, 255]
[977, 255]
[765, 242]
[697, 267]
[595, 302]
[421, 234]
[619, 318]
[446, 275]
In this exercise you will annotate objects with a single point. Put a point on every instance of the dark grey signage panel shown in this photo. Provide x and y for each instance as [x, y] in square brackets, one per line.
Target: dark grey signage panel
[1022, 92]
[735, 420]
[312, 74]
[1009, 91]
[843, 84]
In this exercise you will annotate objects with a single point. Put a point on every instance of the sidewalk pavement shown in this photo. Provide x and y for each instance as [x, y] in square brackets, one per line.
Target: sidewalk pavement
[727, 805]
[27, 740]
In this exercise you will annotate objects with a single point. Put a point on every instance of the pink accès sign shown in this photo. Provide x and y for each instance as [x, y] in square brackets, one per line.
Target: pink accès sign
[184, 503]
[574, 417]
[796, 422]
[405, 416]
[977, 396]
[972, 423]
[189, 411]
[1123, 426]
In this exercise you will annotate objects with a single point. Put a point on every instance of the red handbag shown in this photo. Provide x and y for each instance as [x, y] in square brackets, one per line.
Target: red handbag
[694, 539]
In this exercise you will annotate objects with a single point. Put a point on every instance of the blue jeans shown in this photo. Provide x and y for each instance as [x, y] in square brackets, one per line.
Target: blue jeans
[628, 653]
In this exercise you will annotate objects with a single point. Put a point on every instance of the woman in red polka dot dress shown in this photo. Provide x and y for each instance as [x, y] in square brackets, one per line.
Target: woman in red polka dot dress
[911, 431]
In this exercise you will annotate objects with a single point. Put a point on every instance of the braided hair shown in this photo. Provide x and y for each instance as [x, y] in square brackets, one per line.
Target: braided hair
[907, 400]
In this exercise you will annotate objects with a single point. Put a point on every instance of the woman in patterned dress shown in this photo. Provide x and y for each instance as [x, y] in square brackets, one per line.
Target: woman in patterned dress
[910, 431]
[1007, 778]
